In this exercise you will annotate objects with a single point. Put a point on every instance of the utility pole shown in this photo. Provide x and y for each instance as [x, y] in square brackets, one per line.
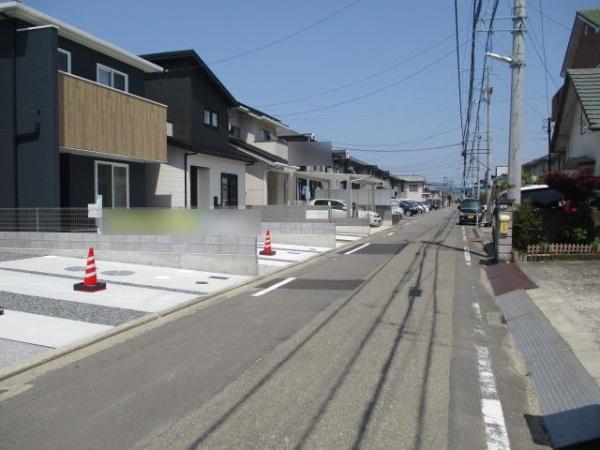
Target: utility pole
[549, 131]
[516, 102]
[488, 101]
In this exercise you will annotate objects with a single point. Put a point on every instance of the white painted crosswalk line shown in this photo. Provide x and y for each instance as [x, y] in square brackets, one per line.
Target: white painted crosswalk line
[44, 330]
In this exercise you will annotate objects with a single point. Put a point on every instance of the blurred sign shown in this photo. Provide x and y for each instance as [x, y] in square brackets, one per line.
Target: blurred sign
[95, 209]
[317, 214]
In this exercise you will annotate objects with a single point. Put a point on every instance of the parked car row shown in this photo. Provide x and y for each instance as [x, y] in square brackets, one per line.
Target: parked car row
[339, 209]
[411, 207]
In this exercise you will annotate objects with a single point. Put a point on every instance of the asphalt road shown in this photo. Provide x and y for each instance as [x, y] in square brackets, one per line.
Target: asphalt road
[392, 346]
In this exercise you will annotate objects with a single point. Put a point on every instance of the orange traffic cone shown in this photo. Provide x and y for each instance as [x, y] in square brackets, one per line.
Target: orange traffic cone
[267, 250]
[90, 280]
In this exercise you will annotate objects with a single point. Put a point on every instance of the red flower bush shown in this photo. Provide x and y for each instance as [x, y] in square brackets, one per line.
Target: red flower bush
[576, 189]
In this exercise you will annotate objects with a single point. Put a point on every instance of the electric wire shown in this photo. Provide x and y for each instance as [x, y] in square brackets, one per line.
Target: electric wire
[287, 36]
[360, 80]
[374, 92]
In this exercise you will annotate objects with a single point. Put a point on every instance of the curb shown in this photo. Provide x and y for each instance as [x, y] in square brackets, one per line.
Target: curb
[137, 323]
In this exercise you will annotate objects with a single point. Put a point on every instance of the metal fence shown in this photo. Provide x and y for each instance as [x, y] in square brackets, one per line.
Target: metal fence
[46, 219]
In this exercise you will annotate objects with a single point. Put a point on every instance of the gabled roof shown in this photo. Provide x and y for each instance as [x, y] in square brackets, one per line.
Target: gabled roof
[413, 178]
[191, 59]
[591, 16]
[37, 18]
[586, 83]
[260, 113]
[255, 151]
[228, 152]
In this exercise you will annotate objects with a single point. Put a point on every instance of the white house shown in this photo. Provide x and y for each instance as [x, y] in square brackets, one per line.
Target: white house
[576, 137]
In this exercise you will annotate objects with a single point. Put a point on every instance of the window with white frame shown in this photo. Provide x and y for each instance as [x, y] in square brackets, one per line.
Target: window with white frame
[211, 119]
[111, 181]
[64, 60]
[112, 77]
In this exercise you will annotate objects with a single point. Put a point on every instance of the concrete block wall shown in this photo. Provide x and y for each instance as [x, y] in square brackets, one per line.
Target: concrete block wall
[227, 254]
[319, 234]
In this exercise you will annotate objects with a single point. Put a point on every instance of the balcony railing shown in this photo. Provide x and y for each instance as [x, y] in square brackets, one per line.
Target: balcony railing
[100, 119]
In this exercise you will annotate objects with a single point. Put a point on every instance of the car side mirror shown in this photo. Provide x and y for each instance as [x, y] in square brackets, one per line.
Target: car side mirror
[344, 208]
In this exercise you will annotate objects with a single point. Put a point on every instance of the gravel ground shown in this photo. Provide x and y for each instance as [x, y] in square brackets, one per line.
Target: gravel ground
[12, 351]
[10, 255]
[577, 283]
[63, 309]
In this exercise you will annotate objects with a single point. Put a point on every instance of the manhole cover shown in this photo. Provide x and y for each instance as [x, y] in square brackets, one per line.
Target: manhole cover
[117, 273]
[75, 269]
[216, 277]
[201, 282]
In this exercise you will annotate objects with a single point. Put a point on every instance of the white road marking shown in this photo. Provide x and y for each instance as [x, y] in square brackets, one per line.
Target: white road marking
[275, 286]
[357, 249]
[390, 234]
[477, 310]
[466, 248]
[491, 408]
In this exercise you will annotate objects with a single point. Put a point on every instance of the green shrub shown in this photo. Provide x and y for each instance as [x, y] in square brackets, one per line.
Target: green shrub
[579, 227]
[527, 227]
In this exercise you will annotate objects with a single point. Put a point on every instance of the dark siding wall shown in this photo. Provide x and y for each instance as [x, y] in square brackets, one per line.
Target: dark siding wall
[7, 180]
[173, 90]
[78, 181]
[84, 60]
[188, 92]
[207, 96]
[37, 106]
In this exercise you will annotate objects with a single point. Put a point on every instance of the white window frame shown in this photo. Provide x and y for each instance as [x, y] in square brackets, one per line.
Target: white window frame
[112, 190]
[112, 76]
[68, 53]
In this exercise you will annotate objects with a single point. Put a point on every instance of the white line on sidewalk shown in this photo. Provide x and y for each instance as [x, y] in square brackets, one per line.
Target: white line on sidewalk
[357, 249]
[466, 247]
[272, 288]
[491, 408]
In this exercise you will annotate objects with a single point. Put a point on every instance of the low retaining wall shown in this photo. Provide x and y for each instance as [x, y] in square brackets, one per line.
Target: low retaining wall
[318, 234]
[226, 254]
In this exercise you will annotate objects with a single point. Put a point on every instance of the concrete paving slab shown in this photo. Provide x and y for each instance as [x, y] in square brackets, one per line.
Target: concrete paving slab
[48, 286]
[568, 396]
[162, 277]
[46, 331]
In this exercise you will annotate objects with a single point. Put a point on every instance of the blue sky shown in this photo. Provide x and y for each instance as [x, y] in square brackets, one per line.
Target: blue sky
[418, 109]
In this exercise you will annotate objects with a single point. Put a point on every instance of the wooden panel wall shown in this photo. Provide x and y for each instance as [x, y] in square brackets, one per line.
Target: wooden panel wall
[96, 118]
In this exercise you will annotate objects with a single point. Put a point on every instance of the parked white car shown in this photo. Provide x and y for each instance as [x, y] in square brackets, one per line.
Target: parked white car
[340, 209]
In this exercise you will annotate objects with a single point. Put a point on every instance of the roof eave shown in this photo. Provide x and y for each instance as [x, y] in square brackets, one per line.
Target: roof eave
[35, 17]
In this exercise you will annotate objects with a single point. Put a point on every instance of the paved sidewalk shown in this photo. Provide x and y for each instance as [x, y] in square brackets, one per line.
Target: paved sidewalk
[568, 294]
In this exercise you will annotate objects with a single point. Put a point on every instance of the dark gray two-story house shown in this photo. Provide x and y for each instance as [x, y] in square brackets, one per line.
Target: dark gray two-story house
[74, 118]
[204, 170]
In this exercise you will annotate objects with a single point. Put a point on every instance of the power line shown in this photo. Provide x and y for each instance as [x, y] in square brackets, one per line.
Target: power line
[422, 149]
[550, 18]
[376, 91]
[458, 65]
[287, 36]
[360, 80]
